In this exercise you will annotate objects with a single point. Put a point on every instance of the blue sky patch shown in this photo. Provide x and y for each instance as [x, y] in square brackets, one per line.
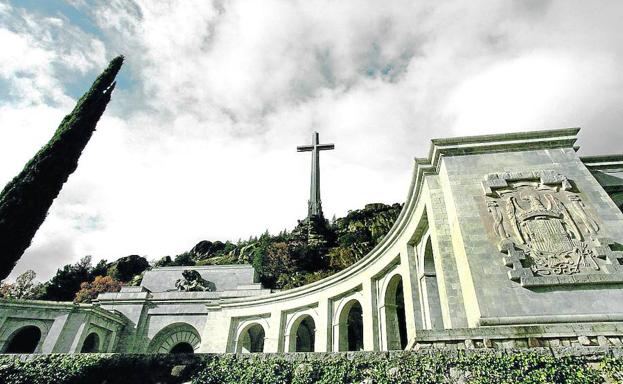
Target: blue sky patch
[56, 7]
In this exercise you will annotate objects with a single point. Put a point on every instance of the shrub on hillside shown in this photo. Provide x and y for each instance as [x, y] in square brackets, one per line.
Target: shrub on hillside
[89, 290]
[24, 288]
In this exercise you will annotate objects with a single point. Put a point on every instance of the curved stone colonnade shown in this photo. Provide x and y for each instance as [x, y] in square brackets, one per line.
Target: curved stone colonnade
[373, 305]
[462, 265]
[439, 271]
[366, 313]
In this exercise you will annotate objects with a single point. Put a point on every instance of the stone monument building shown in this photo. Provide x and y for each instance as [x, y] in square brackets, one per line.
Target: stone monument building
[504, 240]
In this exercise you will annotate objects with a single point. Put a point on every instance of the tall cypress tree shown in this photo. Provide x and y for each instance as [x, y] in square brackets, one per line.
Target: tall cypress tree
[25, 201]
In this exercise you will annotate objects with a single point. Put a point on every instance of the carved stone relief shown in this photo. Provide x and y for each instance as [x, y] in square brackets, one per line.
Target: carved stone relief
[192, 281]
[547, 232]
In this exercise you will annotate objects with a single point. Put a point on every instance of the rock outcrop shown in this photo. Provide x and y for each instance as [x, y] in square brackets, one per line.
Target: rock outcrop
[314, 249]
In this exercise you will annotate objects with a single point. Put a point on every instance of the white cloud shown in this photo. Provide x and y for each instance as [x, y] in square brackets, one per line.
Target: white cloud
[541, 85]
[23, 130]
[26, 67]
[38, 53]
[202, 144]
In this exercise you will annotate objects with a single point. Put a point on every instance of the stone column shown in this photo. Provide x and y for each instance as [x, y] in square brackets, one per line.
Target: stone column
[413, 316]
[112, 341]
[273, 333]
[217, 334]
[391, 339]
[80, 334]
[382, 331]
[432, 306]
[323, 327]
[54, 333]
[370, 342]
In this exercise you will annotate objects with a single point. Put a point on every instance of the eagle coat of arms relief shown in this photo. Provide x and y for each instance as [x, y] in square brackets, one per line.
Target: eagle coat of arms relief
[544, 226]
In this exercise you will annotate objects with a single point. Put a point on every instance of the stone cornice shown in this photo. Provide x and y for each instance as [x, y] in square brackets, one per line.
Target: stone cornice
[603, 162]
[551, 319]
[541, 330]
[521, 138]
[204, 267]
[42, 304]
[63, 305]
[507, 142]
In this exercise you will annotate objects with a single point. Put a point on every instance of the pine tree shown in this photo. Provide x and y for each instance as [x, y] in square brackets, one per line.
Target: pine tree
[25, 201]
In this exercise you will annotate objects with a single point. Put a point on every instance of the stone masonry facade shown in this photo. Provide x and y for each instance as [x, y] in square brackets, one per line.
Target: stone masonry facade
[504, 241]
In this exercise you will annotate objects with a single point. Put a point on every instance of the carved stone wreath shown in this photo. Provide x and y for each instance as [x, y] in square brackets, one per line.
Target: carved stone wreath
[548, 234]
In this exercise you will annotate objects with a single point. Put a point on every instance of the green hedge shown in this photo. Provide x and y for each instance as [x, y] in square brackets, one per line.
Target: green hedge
[481, 368]
[96, 368]
[474, 367]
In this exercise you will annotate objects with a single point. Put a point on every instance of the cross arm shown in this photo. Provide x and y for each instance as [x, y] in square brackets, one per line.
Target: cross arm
[325, 147]
[305, 148]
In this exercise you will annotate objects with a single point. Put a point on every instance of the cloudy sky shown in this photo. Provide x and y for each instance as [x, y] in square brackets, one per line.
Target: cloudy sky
[199, 140]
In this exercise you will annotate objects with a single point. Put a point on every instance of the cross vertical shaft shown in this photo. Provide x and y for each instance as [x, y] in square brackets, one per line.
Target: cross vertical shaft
[315, 204]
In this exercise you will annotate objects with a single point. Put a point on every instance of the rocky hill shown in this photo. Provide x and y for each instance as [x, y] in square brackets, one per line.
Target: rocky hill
[312, 250]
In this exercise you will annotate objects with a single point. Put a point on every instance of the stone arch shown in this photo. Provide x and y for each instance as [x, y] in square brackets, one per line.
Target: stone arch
[91, 343]
[302, 334]
[393, 311]
[350, 326]
[24, 340]
[429, 289]
[176, 338]
[251, 338]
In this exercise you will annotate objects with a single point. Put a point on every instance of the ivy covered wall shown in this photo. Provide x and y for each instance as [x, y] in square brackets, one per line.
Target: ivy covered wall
[589, 365]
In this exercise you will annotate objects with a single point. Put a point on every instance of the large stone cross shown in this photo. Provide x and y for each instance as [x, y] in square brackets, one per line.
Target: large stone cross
[315, 206]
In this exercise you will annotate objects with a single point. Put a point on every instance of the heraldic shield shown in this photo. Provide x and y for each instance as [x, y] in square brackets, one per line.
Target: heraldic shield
[545, 228]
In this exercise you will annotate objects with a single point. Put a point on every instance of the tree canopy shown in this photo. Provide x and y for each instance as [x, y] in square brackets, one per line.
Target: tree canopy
[25, 200]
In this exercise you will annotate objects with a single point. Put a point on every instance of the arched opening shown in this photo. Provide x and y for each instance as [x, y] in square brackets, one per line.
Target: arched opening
[181, 337]
[251, 339]
[24, 340]
[400, 313]
[91, 344]
[183, 347]
[429, 290]
[351, 327]
[355, 328]
[395, 321]
[429, 261]
[303, 335]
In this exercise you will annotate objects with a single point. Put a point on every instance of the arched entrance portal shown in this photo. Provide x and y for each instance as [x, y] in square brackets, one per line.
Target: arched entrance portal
[395, 321]
[25, 340]
[182, 347]
[351, 327]
[251, 339]
[176, 338]
[303, 335]
[91, 344]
